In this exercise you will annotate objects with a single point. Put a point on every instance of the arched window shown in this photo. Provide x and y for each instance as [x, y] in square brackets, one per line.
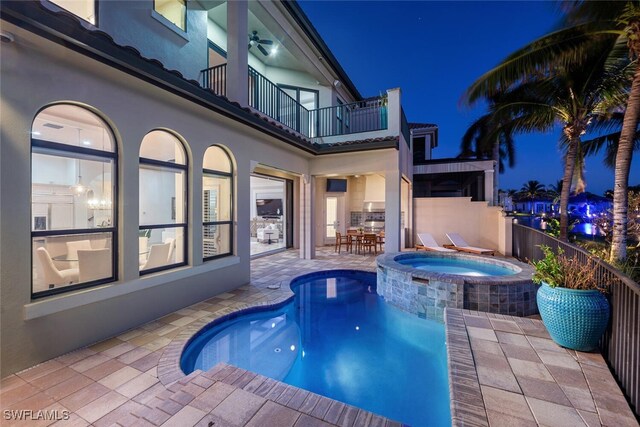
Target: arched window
[217, 204]
[73, 200]
[163, 202]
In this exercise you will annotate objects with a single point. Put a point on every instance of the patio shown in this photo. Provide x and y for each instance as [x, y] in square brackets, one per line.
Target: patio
[129, 379]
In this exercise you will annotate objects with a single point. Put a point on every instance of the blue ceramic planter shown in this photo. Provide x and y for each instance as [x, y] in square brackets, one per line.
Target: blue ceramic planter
[575, 319]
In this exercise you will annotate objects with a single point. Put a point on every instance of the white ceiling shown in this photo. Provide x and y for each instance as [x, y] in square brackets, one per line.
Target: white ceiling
[271, 31]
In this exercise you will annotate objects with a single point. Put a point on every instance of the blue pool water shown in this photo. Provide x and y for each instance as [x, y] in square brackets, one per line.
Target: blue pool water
[455, 266]
[338, 338]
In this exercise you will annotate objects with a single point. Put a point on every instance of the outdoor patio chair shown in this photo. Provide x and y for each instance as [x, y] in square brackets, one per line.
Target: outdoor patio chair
[342, 240]
[428, 243]
[369, 241]
[380, 240]
[461, 245]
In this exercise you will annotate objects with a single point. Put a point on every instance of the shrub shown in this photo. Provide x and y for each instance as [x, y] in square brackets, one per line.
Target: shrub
[556, 269]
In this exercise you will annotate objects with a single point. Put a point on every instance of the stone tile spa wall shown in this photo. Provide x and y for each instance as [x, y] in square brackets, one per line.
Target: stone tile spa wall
[426, 294]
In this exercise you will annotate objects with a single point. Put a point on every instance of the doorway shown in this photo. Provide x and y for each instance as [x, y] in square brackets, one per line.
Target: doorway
[334, 215]
[271, 227]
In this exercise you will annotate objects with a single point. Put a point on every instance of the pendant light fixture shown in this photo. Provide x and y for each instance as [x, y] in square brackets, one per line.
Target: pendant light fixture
[103, 202]
[77, 188]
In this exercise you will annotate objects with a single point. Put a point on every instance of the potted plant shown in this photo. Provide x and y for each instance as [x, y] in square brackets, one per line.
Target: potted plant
[571, 300]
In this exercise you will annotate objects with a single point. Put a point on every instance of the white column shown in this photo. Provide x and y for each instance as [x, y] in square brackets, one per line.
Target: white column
[393, 113]
[237, 54]
[307, 218]
[505, 235]
[392, 197]
[488, 186]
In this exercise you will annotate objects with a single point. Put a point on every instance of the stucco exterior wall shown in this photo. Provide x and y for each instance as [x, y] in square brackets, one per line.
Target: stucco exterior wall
[34, 331]
[135, 23]
[476, 222]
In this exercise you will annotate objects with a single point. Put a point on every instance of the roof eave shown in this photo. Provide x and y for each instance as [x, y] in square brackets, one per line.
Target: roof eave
[301, 18]
[64, 29]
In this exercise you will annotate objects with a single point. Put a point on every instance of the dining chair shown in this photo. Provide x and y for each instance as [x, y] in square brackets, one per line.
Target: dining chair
[75, 246]
[100, 243]
[53, 276]
[172, 249]
[369, 240]
[158, 255]
[342, 240]
[143, 248]
[94, 264]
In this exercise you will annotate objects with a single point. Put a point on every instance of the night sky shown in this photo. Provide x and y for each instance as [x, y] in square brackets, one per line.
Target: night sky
[434, 51]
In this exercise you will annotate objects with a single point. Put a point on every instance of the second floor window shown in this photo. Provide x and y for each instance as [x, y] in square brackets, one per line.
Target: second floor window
[85, 9]
[174, 11]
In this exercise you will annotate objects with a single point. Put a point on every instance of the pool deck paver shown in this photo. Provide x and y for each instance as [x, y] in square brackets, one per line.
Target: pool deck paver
[131, 379]
[506, 371]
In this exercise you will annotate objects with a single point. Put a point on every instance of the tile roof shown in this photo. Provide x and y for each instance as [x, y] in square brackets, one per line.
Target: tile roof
[74, 25]
[422, 125]
[381, 142]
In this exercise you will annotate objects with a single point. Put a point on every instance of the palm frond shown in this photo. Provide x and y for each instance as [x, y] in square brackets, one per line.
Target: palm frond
[561, 48]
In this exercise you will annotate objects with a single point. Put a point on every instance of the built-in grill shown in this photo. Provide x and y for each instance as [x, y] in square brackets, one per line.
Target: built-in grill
[373, 217]
[373, 226]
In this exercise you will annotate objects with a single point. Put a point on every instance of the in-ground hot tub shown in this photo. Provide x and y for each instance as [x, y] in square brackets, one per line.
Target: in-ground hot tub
[424, 283]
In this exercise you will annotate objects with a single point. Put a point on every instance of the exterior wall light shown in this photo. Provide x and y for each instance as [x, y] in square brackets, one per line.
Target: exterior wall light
[6, 37]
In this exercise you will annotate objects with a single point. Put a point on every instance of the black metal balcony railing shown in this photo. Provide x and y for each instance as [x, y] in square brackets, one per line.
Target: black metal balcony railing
[620, 345]
[404, 128]
[363, 116]
[265, 96]
[215, 79]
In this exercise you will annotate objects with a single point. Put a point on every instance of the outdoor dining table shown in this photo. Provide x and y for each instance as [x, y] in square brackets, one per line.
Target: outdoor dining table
[358, 239]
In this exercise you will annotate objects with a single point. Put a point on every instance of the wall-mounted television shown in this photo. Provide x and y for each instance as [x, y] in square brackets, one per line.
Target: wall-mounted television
[269, 207]
[336, 185]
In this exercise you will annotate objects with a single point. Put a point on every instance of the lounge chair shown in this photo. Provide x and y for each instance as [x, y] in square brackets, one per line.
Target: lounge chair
[430, 244]
[459, 244]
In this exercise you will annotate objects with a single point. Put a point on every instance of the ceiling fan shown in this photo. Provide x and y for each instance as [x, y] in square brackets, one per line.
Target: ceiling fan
[254, 40]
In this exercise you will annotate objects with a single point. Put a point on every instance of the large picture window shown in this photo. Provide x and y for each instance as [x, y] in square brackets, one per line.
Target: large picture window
[217, 204]
[73, 203]
[163, 202]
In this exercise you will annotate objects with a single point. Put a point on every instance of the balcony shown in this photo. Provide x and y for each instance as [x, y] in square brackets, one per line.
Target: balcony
[268, 98]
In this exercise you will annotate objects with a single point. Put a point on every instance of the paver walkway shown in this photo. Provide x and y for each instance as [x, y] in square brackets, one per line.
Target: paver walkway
[115, 382]
[506, 371]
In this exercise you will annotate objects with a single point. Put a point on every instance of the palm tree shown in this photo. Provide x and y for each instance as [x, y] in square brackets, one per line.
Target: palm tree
[554, 191]
[532, 190]
[623, 17]
[488, 138]
[556, 188]
[573, 97]
[587, 25]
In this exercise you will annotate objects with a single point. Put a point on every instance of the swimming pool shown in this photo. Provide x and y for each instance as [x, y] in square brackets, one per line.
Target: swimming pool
[458, 266]
[338, 338]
